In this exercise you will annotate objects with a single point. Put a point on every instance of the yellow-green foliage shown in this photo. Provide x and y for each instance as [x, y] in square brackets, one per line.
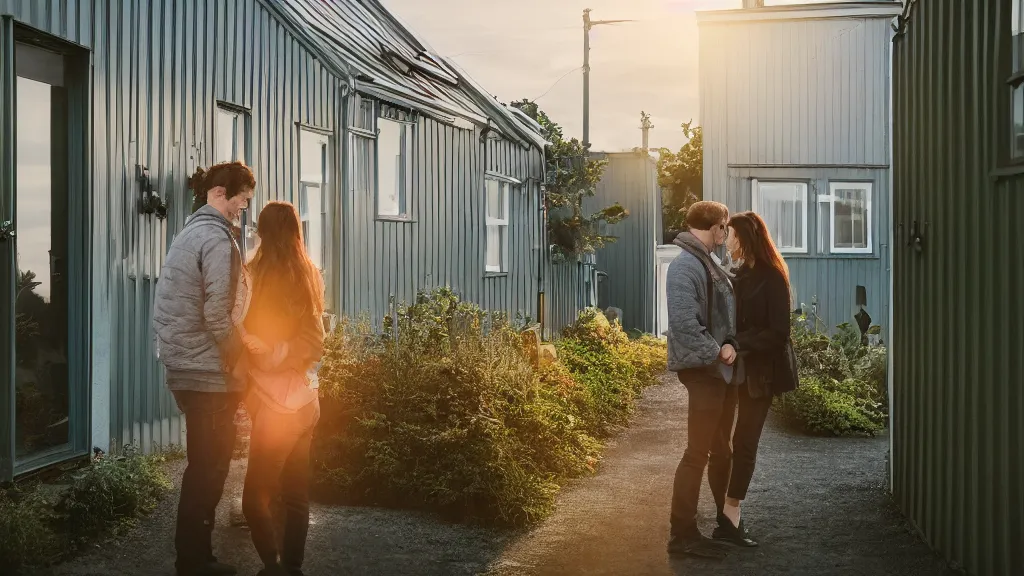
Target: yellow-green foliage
[444, 411]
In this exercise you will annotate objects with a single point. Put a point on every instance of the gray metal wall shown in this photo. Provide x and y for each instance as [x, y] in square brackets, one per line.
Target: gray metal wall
[806, 100]
[159, 69]
[444, 242]
[631, 179]
[958, 315]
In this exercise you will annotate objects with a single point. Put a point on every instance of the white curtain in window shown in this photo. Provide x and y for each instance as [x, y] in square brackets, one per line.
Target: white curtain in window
[783, 206]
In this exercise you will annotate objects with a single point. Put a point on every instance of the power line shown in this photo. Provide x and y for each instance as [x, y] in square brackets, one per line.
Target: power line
[556, 83]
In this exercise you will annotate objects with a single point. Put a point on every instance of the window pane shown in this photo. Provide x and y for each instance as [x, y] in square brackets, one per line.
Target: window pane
[782, 205]
[311, 213]
[494, 201]
[312, 151]
[41, 378]
[850, 206]
[495, 238]
[224, 137]
[391, 172]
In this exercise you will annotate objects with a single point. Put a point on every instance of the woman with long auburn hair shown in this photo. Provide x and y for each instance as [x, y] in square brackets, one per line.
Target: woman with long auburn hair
[765, 354]
[285, 336]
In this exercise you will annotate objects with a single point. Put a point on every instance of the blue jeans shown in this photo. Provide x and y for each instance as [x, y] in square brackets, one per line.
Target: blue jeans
[279, 466]
[210, 430]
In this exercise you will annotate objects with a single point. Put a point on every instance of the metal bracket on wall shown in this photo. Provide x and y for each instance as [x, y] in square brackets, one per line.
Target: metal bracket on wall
[150, 201]
[916, 237]
[6, 231]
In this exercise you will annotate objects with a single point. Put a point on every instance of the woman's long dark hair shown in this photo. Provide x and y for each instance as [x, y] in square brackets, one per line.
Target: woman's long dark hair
[281, 267]
[756, 244]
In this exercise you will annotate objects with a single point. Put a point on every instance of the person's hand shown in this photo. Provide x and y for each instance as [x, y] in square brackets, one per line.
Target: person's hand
[274, 359]
[727, 354]
[240, 371]
[255, 345]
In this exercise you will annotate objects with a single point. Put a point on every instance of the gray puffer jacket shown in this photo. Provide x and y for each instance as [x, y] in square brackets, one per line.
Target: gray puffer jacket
[196, 339]
[694, 342]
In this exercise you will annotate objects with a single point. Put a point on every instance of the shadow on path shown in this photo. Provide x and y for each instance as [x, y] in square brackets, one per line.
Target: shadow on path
[817, 506]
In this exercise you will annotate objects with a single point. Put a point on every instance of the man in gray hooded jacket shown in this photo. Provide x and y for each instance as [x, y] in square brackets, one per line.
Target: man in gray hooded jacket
[200, 347]
[702, 323]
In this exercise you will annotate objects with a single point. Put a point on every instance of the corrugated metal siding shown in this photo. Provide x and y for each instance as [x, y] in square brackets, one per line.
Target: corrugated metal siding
[804, 100]
[566, 295]
[444, 243]
[159, 68]
[958, 385]
[631, 179]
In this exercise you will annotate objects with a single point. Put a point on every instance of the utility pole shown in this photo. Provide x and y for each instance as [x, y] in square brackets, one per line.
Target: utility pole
[588, 24]
[645, 126]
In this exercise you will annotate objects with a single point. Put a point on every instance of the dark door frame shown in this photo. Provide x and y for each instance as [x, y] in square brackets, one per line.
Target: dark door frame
[78, 80]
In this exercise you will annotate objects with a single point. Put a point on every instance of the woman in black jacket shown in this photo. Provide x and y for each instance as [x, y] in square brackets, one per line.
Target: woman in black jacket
[765, 354]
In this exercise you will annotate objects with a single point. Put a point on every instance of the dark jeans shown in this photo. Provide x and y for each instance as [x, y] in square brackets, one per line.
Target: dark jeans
[712, 412]
[279, 466]
[210, 437]
[749, 424]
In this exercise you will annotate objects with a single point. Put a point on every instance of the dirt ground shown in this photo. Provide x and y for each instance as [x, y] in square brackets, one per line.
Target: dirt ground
[817, 506]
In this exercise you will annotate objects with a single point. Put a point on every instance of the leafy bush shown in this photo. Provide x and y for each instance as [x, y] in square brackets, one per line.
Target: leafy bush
[444, 411]
[832, 407]
[112, 493]
[843, 387]
[40, 524]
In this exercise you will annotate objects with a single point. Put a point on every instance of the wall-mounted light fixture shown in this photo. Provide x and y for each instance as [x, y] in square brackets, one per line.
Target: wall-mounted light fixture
[149, 199]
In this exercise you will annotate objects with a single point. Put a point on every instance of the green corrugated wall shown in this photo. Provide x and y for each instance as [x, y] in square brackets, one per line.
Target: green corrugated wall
[958, 420]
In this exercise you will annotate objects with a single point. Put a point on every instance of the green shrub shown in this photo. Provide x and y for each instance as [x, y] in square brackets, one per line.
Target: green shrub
[41, 524]
[843, 387]
[831, 407]
[27, 536]
[112, 493]
[444, 411]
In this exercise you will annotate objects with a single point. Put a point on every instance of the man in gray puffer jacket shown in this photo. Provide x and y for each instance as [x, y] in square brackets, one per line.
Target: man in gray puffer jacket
[200, 346]
[702, 323]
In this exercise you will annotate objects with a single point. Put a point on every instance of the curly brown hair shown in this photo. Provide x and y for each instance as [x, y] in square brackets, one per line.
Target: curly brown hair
[235, 177]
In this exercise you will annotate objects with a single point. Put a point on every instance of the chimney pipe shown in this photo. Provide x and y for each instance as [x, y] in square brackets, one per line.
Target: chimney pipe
[645, 126]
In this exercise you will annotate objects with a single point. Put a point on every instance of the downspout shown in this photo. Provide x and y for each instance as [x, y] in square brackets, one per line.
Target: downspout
[342, 209]
[542, 259]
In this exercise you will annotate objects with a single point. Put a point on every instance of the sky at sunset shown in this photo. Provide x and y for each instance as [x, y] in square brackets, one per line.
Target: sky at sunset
[534, 49]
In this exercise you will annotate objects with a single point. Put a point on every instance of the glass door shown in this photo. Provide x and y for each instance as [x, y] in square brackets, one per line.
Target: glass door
[41, 382]
[43, 252]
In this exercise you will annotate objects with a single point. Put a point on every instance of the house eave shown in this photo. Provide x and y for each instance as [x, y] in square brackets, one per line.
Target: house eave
[802, 12]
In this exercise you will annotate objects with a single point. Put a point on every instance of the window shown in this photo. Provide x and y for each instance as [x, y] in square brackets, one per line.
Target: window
[312, 199]
[497, 224]
[850, 217]
[1016, 82]
[783, 206]
[394, 166]
[230, 136]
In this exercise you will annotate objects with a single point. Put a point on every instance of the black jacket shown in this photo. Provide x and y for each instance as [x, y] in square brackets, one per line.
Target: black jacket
[763, 330]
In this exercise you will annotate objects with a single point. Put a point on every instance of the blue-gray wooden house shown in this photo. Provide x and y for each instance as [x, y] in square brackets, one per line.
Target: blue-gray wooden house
[795, 105]
[407, 175]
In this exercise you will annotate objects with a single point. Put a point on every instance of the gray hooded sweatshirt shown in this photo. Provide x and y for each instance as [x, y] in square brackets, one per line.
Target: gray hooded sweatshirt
[694, 340]
[196, 339]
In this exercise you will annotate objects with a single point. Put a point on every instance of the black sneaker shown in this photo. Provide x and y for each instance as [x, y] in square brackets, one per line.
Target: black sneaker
[737, 535]
[697, 546]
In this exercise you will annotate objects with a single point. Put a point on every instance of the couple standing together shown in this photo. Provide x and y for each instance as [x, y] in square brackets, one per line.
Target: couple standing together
[227, 332]
[729, 342]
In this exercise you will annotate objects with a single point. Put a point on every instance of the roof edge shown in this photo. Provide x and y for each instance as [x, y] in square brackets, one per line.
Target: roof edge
[803, 12]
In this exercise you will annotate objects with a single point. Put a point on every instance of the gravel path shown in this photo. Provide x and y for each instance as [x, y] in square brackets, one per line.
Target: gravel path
[817, 506]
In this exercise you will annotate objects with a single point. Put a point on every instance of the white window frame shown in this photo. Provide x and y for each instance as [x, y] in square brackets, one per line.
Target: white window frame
[239, 147]
[755, 202]
[307, 182]
[506, 186]
[868, 189]
[407, 167]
